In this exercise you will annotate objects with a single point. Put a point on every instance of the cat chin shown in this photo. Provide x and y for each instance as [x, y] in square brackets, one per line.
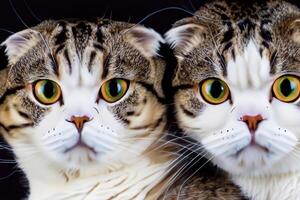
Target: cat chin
[81, 156]
[250, 159]
[78, 157]
[255, 161]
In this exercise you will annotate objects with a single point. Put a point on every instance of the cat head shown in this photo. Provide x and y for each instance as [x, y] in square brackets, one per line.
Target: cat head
[237, 84]
[82, 93]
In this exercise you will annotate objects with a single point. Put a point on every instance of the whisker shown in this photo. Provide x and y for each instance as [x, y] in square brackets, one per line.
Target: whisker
[17, 14]
[31, 12]
[6, 30]
[9, 175]
[193, 175]
[182, 168]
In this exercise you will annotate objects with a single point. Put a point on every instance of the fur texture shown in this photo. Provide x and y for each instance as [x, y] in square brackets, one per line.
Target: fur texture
[248, 46]
[117, 153]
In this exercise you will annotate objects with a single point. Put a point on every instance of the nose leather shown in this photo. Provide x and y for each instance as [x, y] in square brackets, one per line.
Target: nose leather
[252, 121]
[79, 121]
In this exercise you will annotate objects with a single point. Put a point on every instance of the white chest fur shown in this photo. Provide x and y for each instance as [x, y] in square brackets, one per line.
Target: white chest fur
[130, 182]
[277, 187]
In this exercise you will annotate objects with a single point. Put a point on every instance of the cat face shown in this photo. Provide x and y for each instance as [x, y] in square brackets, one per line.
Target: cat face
[237, 85]
[83, 93]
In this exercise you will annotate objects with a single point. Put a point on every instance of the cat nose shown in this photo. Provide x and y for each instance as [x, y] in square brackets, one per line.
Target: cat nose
[79, 121]
[252, 121]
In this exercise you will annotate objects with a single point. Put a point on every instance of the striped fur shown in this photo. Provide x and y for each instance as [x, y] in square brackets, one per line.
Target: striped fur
[124, 159]
[248, 45]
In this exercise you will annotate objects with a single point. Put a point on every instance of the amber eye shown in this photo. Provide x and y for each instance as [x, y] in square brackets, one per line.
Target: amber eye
[114, 89]
[46, 91]
[214, 91]
[287, 88]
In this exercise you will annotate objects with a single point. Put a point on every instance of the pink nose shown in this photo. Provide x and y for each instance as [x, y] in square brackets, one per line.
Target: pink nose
[79, 121]
[252, 121]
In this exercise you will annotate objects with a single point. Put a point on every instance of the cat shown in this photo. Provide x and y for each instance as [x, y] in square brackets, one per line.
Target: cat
[186, 180]
[82, 109]
[236, 92]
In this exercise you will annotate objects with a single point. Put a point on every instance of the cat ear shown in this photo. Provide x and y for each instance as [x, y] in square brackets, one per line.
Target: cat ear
[3, 71]
[3, 80]
[295, 30]
[183, 38]
[19, 43]
[146, 40]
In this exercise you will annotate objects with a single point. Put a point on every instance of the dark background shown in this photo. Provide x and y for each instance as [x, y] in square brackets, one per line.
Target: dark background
[33, 11]
[16, 15]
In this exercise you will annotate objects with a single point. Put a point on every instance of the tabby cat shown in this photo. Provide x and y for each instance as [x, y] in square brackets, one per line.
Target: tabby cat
[82, 109]
[237, 87]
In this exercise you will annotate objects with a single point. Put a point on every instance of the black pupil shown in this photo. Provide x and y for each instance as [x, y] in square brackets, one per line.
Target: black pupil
[216, 89]
[286, 87]
[49, 89]
[114, 88]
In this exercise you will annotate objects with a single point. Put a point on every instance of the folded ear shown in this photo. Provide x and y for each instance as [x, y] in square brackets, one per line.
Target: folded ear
[146, 40]
[3, 80]
[19, 43]
[183, 38]
[3, 70]
[295, 30]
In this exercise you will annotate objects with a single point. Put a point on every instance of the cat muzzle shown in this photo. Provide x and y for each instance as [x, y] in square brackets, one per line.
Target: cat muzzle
[79, 121]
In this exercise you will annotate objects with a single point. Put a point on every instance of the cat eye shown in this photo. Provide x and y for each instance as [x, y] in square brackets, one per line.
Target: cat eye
[46, 91]
[114, 89]
[214, 91]
[287, 88]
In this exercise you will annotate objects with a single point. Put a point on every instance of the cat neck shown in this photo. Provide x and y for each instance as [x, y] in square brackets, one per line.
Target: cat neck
[138, 178]
[278, 186]
[50, 181]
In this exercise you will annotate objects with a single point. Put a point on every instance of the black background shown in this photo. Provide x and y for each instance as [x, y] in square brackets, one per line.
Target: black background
[16, 15]
[33, 11]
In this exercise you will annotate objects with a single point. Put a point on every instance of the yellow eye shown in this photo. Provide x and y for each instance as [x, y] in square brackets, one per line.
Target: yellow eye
[46, 91]
[114, 89]
[214, 91]
[287, 88]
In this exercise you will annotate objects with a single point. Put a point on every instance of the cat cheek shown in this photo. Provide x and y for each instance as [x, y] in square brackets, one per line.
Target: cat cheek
[286, 113]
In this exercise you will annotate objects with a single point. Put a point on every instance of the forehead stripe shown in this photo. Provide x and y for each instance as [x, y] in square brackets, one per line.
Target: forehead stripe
[223, 63]
[92, 58]
[99, 39]
[99, 35]
[62, 36]
[99, 47]
[106, 65]
[55, 66]
[273, 62]
[67, 56]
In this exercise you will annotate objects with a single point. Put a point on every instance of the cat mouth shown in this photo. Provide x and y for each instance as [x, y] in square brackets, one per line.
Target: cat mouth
[81, 144]
[253, 145]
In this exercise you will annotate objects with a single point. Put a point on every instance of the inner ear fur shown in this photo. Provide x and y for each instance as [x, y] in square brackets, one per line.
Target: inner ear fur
[19, 43]
[294, 30]
[185, 36]
[146, 40]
